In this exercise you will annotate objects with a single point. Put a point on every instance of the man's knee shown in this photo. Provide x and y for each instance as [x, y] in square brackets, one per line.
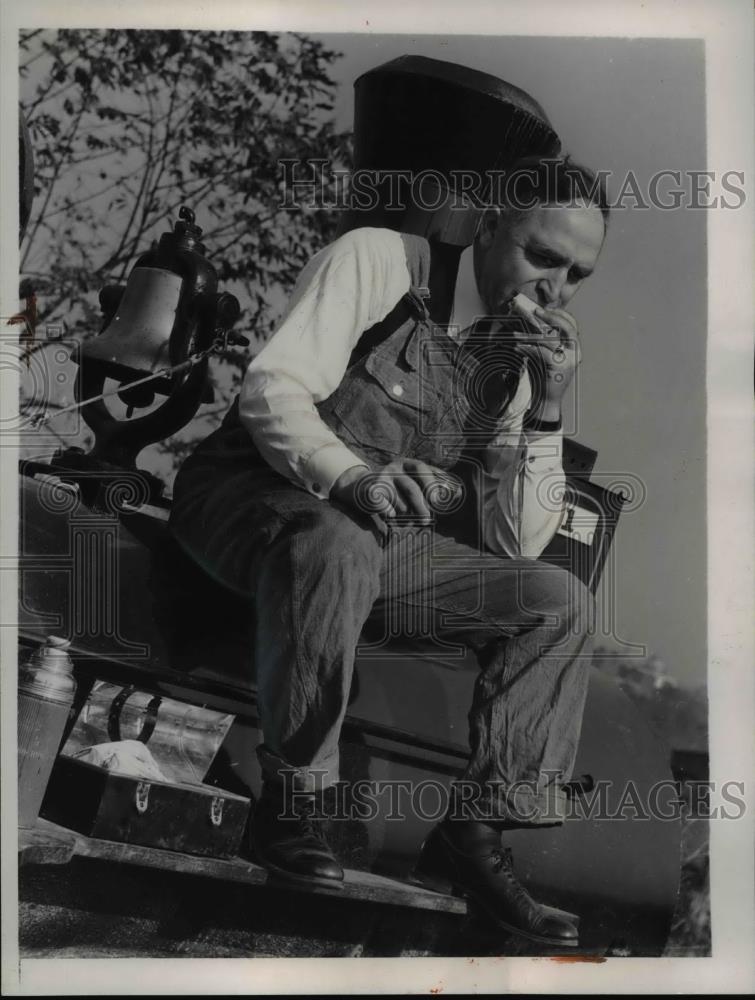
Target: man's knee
[562, 594]
[578, 603]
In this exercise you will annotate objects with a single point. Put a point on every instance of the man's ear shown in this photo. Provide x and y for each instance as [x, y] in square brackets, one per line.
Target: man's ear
[488, 227]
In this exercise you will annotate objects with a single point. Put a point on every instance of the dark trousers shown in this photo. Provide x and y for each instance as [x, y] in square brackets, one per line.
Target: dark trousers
[318, 573]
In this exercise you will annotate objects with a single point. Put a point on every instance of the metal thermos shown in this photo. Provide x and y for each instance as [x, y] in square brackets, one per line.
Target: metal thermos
[46, 688]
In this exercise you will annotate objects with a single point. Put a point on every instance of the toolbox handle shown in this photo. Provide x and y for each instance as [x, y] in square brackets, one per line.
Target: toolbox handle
[116, 708]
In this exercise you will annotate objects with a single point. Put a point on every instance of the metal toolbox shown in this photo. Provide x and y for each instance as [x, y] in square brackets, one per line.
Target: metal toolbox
[167, 806]
[190, 818]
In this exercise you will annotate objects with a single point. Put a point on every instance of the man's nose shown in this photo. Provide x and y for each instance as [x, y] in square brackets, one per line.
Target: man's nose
[549, 290]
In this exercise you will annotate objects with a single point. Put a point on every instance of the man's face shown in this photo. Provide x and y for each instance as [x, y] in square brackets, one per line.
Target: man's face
[545, 253]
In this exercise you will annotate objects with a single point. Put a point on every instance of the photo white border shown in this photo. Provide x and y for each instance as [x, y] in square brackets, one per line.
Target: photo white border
[727, 28]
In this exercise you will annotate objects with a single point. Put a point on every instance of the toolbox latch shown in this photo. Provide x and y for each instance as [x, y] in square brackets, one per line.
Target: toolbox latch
[142, 796]
[216, 810]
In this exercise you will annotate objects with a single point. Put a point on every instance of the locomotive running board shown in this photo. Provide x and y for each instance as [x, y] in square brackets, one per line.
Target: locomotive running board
[49, 843]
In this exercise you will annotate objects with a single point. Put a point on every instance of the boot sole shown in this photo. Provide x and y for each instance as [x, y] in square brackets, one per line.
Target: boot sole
[451, 888]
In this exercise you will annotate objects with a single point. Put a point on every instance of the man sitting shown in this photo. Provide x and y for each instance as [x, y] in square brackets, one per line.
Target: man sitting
[319, 484]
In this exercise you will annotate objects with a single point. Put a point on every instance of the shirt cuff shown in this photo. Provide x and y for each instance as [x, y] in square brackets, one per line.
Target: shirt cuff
[544, 450]
[543, 426]
[323, 468]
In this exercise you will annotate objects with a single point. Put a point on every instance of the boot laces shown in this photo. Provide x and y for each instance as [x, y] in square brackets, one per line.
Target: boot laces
[311, 819]
[503, 864]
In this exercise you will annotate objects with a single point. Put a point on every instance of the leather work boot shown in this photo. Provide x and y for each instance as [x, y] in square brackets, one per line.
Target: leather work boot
[293, 848]
[467, 857]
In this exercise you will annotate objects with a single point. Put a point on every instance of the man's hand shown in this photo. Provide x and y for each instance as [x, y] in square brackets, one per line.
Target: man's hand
[558, 355]
[403, 487]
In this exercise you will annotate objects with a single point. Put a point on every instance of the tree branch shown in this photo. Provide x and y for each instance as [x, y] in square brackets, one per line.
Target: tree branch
[142, 187]
[53, 181]
[43, 96]
[89, 197]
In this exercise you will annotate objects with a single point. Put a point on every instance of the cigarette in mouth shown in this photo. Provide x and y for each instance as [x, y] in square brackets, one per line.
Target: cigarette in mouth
[525, 307]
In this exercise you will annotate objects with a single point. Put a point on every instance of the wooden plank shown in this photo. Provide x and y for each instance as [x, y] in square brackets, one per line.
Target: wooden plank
[358, 885]
[45, 844]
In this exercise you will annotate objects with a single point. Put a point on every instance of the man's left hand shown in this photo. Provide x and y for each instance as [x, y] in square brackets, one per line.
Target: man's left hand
[560, 355]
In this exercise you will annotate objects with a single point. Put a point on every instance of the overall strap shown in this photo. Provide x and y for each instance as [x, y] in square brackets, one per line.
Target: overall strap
[413, 304]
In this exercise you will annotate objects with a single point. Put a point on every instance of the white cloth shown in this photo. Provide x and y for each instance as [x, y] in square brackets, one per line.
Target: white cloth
[125, 757]
[344, 289]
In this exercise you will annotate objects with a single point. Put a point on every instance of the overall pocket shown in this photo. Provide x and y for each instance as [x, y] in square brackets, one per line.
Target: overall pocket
[381, 405]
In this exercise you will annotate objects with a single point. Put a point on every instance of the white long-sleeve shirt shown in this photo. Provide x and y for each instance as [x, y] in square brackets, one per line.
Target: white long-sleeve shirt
[345, 288]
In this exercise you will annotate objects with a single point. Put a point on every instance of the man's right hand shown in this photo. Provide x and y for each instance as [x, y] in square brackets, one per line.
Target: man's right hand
[399, 488]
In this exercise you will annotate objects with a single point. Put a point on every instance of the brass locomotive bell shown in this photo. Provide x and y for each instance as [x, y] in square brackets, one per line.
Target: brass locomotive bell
[160, 328]
[136, 341]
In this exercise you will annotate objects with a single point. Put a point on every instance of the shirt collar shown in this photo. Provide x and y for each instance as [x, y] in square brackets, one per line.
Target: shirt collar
[468, 304]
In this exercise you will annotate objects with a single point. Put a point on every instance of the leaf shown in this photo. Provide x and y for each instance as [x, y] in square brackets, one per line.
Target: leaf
[81, 77]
